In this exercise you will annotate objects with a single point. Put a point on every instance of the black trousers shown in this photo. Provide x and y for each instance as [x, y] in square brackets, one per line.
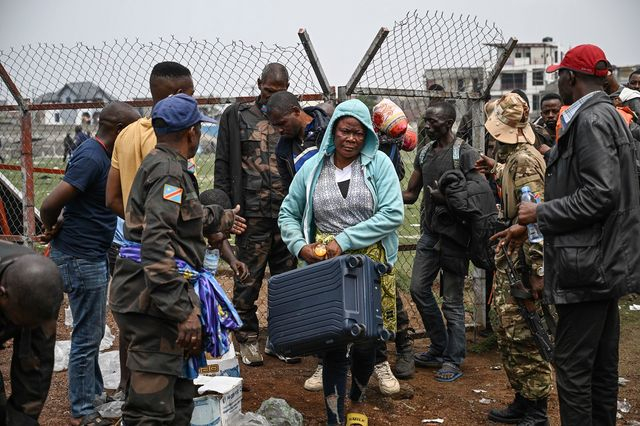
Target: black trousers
[586, 361]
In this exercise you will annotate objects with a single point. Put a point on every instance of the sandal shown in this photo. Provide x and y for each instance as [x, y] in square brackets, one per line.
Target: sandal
[448, 373]
[93, 419]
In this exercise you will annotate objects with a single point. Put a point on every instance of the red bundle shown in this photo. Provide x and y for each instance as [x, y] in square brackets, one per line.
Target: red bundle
[389, 119]
[410, 140]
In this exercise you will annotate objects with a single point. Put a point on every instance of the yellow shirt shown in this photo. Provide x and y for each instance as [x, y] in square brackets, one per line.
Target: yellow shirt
[133, 144]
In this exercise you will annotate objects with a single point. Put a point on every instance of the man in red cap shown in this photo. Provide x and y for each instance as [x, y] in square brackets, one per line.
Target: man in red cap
[590, 219]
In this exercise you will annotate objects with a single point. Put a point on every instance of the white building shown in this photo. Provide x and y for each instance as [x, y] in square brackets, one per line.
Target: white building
[82, 91]
[525, 70]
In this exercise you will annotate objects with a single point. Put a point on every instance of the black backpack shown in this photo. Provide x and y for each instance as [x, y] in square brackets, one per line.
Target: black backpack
[471, 200]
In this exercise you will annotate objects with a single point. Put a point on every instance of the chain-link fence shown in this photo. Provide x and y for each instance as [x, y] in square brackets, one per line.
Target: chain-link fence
[53, 94]
[67, 87]
[424, 59]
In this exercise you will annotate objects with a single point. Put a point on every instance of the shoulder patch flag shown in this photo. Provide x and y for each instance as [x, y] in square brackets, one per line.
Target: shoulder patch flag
[172, 193]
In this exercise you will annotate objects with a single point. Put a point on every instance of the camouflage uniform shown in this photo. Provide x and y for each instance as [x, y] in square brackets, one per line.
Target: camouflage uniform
[151, 298]
[528, 373]
[31, 363]
[263, 192]
[31, 369]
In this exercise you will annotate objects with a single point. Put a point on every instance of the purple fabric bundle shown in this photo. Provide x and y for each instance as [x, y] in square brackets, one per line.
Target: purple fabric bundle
[218, 316]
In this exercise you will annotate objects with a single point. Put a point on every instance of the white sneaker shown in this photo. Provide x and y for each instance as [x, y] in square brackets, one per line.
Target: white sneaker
[387, 381]
[314, 383]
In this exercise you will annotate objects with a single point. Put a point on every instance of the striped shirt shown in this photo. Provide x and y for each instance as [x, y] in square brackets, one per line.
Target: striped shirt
[570, 112]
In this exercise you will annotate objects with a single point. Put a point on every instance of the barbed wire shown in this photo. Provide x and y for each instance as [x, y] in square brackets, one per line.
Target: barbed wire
[421, 50]
[121, 68]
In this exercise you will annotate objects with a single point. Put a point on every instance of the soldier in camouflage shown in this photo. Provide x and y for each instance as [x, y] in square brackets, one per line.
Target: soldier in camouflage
[30, 298]
[260, 196]
[520, 164]
[154, 305]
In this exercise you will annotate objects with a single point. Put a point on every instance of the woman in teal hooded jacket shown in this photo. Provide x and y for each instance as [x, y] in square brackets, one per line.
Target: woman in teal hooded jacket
[347, 197]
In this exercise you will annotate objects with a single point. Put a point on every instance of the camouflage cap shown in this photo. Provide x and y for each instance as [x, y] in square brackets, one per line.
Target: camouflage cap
[509, 121]
[489, 107]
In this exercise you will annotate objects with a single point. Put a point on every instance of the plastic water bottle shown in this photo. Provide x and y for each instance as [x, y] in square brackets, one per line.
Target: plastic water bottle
[211, 260]
[535, 236]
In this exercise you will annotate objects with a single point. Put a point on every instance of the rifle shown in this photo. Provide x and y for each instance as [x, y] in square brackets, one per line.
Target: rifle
[528, 311]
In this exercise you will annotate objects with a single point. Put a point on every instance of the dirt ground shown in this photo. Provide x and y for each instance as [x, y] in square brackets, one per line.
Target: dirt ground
[421, 397]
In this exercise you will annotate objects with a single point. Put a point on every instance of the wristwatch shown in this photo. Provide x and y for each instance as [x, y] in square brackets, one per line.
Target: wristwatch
[539, 271]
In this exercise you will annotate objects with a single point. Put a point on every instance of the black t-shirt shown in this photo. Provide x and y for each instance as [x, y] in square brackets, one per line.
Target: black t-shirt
[433, 164]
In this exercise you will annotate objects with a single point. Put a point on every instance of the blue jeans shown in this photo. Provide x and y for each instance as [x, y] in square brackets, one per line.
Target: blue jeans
[434, 253]
[85, 282]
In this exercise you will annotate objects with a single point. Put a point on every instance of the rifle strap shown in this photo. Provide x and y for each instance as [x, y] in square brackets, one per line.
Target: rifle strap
[549, 319]
[521, 294]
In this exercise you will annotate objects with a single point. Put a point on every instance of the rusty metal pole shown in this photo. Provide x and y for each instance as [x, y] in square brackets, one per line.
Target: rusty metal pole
[327, 90]
[26, 162]
[26, 159]
[366, 60]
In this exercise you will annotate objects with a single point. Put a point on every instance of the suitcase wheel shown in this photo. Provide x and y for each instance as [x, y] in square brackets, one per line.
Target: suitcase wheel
[382, 268]
[386, 335]
[357, 330]
[354, 261]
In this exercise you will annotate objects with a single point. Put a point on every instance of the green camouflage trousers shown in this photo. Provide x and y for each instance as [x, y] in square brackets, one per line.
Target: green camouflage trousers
[260, 245]
[30, 372]
[156, 395]
[529, 374]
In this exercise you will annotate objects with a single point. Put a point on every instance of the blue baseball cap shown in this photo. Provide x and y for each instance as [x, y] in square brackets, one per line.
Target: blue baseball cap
[177, 113]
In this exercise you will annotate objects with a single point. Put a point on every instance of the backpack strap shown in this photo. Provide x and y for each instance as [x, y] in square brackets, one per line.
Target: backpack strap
[456, 153]
[424, 152]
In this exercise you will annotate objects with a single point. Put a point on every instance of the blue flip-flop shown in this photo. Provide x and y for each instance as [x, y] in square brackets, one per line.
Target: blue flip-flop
[448, 373]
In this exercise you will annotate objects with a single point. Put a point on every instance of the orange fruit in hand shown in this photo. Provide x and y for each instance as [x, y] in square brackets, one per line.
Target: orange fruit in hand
[320, 250]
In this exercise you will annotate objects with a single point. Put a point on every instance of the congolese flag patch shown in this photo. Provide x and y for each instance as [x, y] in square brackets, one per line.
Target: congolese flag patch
[172, 193]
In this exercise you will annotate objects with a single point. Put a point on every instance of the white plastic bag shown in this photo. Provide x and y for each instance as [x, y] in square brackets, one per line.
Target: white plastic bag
[250, 419]
[110, 368]
[61, 355]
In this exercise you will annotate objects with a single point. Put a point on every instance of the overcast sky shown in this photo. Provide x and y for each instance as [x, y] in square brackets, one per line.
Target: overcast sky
[341, 30]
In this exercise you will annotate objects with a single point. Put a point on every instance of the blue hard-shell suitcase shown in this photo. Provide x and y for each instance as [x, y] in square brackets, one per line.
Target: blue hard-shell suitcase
[326, 305]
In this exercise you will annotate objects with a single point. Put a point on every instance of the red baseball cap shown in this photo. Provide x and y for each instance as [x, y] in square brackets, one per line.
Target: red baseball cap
[585, 59]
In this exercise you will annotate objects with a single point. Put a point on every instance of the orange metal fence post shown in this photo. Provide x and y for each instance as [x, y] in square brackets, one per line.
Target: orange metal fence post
[26, 162]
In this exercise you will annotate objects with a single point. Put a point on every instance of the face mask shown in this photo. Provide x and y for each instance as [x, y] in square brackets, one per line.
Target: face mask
[211, 260]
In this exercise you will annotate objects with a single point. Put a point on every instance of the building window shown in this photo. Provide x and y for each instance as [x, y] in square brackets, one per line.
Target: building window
[476, 85]
[513, 80]
[461, 85]
[56, 117]
[536, 102]
[518, 54]
[538, 78]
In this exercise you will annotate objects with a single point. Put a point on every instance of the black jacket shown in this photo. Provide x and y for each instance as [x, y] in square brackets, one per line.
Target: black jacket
[591, 215]
[312, 137]
[471, 200]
